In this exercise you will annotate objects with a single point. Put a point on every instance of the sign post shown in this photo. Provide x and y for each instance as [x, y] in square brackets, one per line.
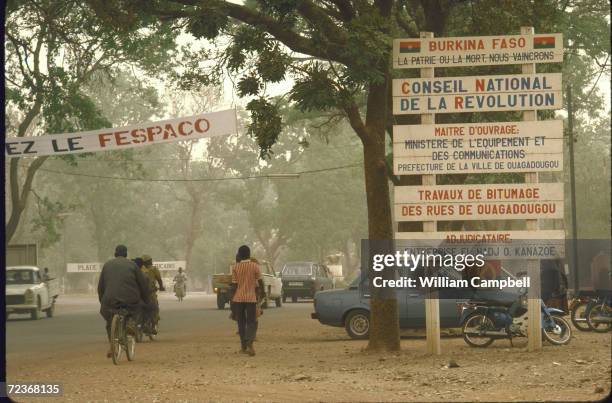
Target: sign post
[432, 304]
[534, 327]
[528, 147]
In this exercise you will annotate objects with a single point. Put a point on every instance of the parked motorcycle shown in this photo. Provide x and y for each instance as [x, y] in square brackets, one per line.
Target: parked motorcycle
[599, 315]
[485, 321]
[579, 307]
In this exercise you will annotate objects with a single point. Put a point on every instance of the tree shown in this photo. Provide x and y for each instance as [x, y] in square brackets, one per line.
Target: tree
[53, 48]
[338, 54]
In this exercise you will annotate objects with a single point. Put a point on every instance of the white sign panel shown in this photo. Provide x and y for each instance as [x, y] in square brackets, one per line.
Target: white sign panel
[83, 267]
[170, 265]
[477, 93]
[497, 245]
[166, 131]
[477, 51]
[478, 147]
[97, 267]
[479, 202]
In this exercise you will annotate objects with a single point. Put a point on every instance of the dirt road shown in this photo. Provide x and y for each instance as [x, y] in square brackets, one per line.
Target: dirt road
[196, 359]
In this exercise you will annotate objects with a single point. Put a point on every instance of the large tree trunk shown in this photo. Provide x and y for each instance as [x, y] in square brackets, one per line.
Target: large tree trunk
[384, 322]
[19, 197]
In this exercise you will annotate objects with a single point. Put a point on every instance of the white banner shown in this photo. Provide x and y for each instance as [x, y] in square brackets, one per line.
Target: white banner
[165, 131]
[97, 267]
[477, 50]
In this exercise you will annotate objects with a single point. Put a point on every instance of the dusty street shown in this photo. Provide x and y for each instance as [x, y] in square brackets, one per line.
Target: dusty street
[196, 359]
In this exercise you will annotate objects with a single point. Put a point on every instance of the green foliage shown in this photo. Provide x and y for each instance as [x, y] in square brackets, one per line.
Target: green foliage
[272, 64]
[315, 91]
[210, 27]
[248, 86]
[265, 124]
[46, 222]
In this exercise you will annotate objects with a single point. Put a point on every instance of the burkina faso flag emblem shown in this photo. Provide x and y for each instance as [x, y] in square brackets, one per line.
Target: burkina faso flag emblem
[410, 46]
[544, 42]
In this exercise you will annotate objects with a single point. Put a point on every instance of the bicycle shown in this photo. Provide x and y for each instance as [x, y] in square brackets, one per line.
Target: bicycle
[123, 335]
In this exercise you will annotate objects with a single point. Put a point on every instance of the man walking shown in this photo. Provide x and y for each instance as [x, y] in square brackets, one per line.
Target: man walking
[121, 283]
[246, 276]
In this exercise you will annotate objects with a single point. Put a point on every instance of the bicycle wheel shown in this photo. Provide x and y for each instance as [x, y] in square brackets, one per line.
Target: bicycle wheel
[139, 333]
[596, 317]
[154, 329]
[475, 328]
[130, 348]
[116, 336]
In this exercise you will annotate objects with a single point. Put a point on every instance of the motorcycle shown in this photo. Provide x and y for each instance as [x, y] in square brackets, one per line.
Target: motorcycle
[599, 315]
[485, 321]
[579, 307]
[180, 291]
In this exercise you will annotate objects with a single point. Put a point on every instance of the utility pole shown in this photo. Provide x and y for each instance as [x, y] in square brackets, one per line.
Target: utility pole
[570, 128]
[534, 324]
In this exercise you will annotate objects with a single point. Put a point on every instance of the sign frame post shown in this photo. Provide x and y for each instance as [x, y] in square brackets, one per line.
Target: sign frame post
[534, 320]
[432, 304]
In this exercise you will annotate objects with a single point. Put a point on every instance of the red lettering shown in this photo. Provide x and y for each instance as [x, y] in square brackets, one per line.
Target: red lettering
[411, 211]
[102, 139]
[405, 88]
[480, 86]
[119, 138]
[138, 136]
[152, 132]
[182, 131]
[458, 102]
[169, 131]
[198, 128]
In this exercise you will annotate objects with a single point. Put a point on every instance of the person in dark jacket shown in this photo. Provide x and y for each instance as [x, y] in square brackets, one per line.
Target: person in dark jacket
[121, 284]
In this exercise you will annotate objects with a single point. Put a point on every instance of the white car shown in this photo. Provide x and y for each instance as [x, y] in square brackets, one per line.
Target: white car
[273, 283]
[271, 280]
[26, 292]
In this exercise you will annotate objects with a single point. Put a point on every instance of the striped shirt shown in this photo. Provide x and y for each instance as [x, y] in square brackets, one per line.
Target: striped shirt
[245, 275]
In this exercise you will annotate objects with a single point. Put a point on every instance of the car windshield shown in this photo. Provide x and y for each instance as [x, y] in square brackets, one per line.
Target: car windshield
[19, 277]
[297, 269]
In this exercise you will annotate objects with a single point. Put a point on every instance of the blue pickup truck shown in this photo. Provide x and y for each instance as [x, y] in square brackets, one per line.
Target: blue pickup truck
[350, 307]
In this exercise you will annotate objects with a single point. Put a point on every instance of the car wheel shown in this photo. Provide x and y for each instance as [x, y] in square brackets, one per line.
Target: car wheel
[357, 324]
[35, 313]
[50, 311]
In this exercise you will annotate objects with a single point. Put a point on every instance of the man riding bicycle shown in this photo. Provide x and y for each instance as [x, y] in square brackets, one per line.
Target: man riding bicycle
[121, 284]
[154, 279]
